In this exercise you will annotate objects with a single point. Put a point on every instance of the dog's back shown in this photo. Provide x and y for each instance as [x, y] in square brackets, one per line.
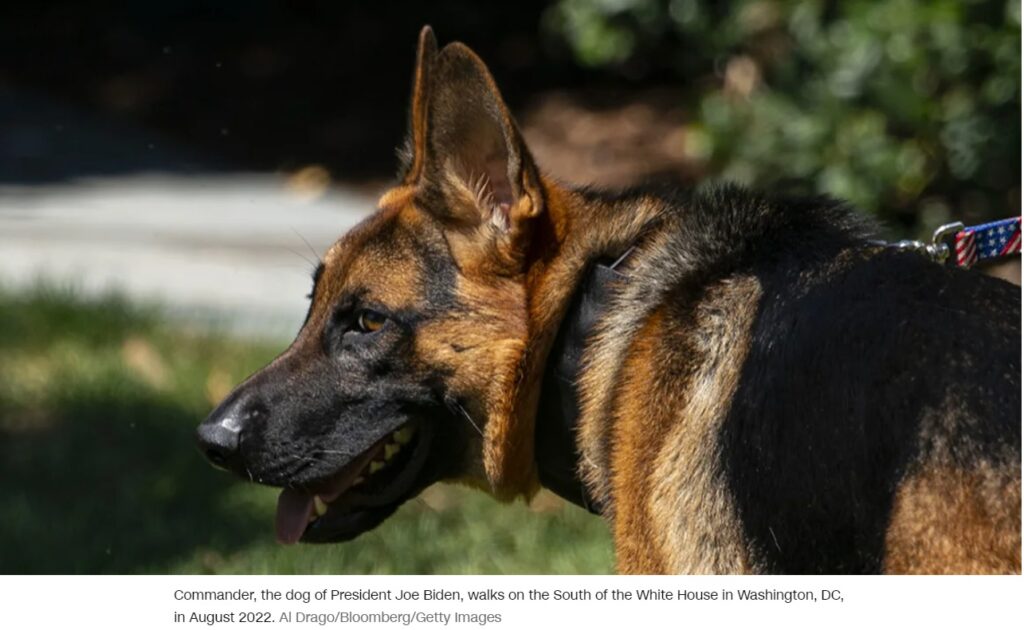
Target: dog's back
[790, 398]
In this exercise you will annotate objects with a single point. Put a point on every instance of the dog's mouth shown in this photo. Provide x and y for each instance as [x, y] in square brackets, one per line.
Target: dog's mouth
[361, 494]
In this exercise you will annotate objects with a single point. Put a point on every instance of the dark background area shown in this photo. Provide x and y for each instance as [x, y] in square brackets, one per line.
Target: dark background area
[264, 85]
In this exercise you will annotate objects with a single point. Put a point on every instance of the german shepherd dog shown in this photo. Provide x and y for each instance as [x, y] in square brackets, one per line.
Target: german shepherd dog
[736, 382]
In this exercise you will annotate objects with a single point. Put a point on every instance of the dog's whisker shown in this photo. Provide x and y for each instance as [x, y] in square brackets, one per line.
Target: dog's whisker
[303, 257]
[774, 539]
[311, 249]
[469, 418]
[423, 503]
[306, 458]
[293, 267]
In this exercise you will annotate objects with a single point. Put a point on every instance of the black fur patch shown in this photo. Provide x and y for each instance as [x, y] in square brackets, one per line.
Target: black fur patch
[852, 377]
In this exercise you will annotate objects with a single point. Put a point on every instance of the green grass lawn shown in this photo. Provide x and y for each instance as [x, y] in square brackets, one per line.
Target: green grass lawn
[99, 473]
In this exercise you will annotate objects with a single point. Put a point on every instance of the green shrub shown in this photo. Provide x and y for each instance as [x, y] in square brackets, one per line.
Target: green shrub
[908, 108]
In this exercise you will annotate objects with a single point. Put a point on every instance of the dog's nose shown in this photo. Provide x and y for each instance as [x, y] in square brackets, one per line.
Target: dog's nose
[219, 441]
[219, 435]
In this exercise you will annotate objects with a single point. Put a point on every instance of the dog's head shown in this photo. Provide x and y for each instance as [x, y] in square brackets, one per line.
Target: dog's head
[406, 369]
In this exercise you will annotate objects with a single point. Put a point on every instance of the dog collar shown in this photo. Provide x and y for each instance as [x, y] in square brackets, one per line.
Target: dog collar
[558, 409]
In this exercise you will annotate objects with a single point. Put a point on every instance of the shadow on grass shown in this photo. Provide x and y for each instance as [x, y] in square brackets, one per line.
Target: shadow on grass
[110, 483]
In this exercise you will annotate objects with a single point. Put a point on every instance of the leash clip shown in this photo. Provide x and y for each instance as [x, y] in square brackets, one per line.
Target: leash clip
[938, 249]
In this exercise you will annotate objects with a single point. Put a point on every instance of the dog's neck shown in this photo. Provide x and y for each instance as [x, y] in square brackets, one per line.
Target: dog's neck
[577, 229]
[558, 410]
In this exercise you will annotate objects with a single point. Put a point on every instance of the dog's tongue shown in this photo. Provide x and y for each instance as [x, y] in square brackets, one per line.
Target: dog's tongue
[294, 508]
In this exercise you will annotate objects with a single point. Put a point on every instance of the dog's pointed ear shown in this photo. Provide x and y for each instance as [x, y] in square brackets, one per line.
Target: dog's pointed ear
[474, 156]
[414, 151]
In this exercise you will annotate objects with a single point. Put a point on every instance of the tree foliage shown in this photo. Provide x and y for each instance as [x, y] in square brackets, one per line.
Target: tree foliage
[908, 108]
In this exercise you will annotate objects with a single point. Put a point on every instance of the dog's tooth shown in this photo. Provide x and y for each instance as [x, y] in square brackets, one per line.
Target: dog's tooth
[390, 450]
[403, 435]
[375, 466]
[319, 506]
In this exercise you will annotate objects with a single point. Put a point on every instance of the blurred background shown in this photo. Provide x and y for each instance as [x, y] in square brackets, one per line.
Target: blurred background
[170, 170]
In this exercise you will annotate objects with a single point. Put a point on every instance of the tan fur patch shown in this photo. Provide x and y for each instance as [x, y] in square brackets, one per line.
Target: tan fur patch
[389, 272]
[638, 429]
[674, 512]
[955, 521]
[396, 198]
[480, 352]
[696, 520]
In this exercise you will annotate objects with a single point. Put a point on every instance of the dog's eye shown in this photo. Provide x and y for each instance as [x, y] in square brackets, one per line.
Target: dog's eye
[369, 321]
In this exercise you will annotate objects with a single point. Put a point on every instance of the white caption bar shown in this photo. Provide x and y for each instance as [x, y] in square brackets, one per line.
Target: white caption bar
[535, 602]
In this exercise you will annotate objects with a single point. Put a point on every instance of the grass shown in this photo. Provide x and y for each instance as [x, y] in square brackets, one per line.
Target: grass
[98, 472]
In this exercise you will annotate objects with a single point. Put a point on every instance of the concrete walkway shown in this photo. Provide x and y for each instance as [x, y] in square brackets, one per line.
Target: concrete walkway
[218, 249]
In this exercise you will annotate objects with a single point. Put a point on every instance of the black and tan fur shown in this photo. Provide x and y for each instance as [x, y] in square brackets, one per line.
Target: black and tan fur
[769, 392]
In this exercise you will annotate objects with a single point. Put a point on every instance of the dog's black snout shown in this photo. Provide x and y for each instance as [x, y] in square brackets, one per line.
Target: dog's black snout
[219, 436]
